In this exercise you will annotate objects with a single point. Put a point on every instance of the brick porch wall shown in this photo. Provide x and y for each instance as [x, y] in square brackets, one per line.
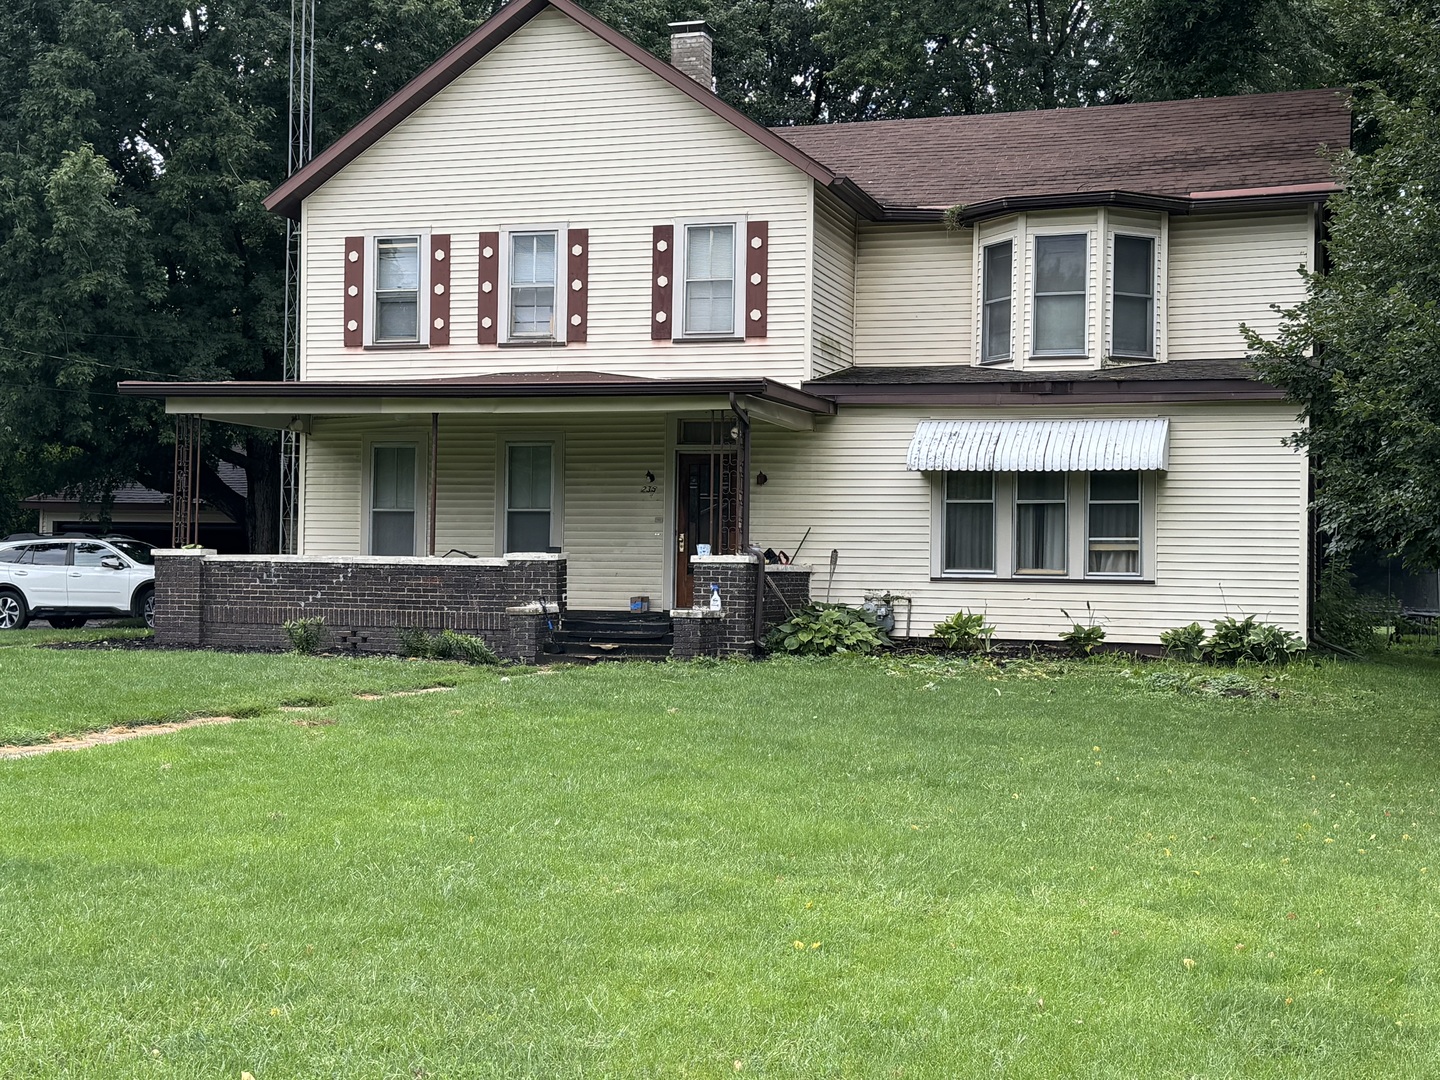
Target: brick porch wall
[735, 576]
[243, 601]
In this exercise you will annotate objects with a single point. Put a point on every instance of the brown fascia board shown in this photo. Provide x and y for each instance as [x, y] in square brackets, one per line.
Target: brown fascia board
[768, 389]
[1203, 202]
[1057, 392]
[286, 198]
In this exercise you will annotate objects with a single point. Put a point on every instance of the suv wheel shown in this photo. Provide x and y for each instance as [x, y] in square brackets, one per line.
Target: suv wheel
[13, 615]
[145, 607]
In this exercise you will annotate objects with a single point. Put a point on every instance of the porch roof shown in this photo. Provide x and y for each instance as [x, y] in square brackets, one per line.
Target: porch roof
[277, 404]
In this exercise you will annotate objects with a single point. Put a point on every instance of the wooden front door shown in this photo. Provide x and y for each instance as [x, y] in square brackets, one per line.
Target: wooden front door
[706, 512]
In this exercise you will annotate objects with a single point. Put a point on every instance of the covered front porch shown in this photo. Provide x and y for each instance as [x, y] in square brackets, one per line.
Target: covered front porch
[626, 481]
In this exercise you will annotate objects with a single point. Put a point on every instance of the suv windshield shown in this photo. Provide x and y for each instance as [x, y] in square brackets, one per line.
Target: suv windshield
[137, 550]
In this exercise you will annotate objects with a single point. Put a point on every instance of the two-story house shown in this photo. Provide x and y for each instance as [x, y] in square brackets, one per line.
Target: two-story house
[558, 297]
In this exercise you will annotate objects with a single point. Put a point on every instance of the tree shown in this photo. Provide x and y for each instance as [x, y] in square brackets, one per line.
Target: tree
[1369, 389]
[938, 57]
[1197, 48]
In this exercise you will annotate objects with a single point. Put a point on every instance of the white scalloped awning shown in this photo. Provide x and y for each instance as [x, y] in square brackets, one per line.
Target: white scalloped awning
[1039, 445]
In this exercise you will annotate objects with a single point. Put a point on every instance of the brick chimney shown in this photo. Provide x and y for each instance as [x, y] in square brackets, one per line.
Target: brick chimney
[692, 51]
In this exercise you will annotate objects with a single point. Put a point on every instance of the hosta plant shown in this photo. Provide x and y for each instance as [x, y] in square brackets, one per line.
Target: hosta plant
[965, 631]
[822, 629]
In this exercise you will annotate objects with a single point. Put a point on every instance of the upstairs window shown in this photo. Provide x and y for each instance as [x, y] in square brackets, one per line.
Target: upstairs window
[708, 299]
[397, 290]
[1132, 327]
[1060, 278]
[532, 285]
[997, 288]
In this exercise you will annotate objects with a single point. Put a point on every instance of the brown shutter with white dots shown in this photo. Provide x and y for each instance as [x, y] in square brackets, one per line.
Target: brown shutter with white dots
[757, 280]
[578, 316]
[489, 321]
[439, 289]
[662, 266]
[354, 296]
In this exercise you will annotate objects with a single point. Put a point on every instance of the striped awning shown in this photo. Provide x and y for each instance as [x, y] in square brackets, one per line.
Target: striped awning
[1039, 445]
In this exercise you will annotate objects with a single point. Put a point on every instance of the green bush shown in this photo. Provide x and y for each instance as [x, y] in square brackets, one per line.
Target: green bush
[447, 645]
[965, 631]
[1185, 643]
[822, 629]
[414, 641]
[1234, 640]
[1081, 639]
[305, 634]
[1344, 616]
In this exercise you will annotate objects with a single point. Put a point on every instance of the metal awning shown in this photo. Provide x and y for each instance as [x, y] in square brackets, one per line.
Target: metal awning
[1039, 445]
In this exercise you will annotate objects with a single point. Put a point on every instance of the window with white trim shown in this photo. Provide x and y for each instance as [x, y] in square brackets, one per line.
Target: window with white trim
[1095, 525]
[709, 298]
[1132, 301]
[1060, 277]
[396, 290]
[995, 297]
[394, 481]
[1113, 524]
[1068, 289]
[1040, 537]
[529, 515]
[531, 289]
[969, 523]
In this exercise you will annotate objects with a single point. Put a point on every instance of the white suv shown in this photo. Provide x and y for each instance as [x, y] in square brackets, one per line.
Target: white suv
[68, 579]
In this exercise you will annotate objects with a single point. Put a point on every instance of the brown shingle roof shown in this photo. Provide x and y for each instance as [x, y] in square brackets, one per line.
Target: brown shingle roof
[1170, 148]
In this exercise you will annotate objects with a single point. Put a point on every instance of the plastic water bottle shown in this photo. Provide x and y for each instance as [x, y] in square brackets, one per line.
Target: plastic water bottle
[714, 597]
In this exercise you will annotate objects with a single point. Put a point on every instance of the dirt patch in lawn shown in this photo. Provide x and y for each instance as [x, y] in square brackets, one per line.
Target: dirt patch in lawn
[119, 733]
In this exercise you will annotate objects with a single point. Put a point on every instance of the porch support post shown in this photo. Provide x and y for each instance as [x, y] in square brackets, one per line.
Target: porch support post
[434, 473]
[185, 497]
[742, 420]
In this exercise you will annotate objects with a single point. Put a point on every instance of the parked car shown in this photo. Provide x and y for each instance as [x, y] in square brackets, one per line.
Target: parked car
[68, 580]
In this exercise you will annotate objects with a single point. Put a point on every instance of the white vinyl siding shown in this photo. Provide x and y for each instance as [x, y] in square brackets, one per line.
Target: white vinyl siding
[1225, 269]
[614, 520]
[1228, 533]
[610, 148]
[914, 302]
[833, 334]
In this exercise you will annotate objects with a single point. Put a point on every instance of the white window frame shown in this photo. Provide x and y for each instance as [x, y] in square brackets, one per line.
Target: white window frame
[1157, 238]
[1139, 503]
[1017, 258]
[372, 263]
[420, 444]
[1032, 297]
[1077, 531]
[677, 292]
[557, 485]
[561, 230]
[996, 513]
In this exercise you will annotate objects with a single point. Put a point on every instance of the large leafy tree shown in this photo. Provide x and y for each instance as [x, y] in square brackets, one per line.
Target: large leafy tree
[1361, 355]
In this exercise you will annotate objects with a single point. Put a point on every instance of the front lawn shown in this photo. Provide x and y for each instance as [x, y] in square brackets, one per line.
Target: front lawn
[825, 869]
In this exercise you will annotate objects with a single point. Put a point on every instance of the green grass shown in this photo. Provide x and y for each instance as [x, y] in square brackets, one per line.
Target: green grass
[624, 871]
[69, 691]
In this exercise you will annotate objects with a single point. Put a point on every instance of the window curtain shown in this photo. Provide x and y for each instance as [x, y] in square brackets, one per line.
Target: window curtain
[970, 521]
[1040, 522]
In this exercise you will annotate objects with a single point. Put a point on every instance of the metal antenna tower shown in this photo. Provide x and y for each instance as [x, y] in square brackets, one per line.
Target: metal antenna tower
[301, 149]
